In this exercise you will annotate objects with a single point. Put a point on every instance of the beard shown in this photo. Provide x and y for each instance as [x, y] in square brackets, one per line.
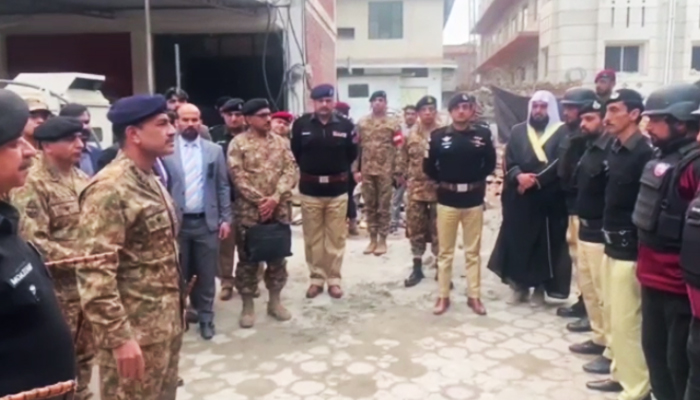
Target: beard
[539, 123]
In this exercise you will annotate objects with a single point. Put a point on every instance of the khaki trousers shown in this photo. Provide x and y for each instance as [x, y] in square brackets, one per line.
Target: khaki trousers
[325, 233]
[623, 294]
[448, 221]
[572, 240]
[590, 265]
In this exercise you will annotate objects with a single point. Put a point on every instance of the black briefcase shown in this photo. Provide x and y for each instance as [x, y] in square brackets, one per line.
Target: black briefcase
[268, 242]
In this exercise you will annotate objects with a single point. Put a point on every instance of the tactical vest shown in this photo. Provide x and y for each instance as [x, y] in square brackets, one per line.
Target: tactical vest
[690, 251]
[659, 212]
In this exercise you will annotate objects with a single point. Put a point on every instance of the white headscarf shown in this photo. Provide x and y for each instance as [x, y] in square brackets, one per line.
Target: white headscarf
[552, 106]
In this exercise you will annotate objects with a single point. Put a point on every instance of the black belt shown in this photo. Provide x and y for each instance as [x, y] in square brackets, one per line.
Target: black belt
[194, 216]
[621, 238]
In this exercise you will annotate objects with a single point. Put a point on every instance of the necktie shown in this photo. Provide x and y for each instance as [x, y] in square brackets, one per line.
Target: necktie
[193, 175]
[158, 169]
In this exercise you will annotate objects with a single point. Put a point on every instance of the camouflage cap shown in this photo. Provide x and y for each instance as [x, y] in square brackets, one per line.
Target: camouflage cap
[36, 104]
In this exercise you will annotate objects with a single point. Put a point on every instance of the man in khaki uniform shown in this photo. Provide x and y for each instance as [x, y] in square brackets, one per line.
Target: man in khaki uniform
[379, 135]
[264, 172]
[48, 205]
[38, 114]
[421, 212]
[323, 144]
[129, 280]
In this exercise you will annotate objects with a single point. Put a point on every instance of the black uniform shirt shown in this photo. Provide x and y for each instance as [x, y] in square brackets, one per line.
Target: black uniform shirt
[461, 157]
[626, 163]
[591, 179]
[36, 346]
[323, 150]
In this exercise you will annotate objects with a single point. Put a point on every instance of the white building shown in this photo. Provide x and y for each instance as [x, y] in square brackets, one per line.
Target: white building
[648, 42]
[389, 45]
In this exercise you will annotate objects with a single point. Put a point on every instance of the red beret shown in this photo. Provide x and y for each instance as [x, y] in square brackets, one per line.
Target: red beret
[283, 115]
[606, 73]
[344, 107]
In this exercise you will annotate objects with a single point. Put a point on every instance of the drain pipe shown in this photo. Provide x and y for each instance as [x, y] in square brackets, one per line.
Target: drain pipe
[670, 41]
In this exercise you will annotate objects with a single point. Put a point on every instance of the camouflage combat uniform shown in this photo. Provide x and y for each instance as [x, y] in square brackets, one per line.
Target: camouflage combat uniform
[378, 153]
[129, 283]
[260, 167]
[50, 214]
[421, 212]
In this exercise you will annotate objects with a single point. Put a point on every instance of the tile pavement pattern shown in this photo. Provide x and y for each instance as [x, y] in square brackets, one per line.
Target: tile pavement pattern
[382, 342]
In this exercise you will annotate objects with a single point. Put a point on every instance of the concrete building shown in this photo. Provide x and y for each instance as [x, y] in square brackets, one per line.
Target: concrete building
[395, 46]
[462, 78]
[649, 42]
[243, 48]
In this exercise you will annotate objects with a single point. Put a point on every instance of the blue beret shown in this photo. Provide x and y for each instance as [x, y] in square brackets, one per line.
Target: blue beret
[135, 109]
[426, 101]
[57, 128]
[253, 106]
[232, 105]
[378, 94]
[322, 91]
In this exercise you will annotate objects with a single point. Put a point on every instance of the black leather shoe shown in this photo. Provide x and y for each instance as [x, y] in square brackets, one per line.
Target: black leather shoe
[579, 326]
[416, 275]
[206, 329]
[191, 316]
[587, 347]
[606, 385]
[578, 310]
[600, 365]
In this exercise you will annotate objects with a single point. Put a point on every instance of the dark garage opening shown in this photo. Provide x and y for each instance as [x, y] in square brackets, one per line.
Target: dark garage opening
[212, 66]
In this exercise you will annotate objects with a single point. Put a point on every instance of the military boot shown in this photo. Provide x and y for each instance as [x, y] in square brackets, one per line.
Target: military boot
[416, 275]
[247, 319]
[381, 246]
[275, 309]
[372, 245]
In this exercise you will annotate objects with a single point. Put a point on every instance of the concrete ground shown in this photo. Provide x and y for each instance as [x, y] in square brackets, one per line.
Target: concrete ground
[381, 341]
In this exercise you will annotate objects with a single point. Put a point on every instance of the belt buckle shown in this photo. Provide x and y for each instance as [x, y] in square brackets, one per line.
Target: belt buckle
[323, 179]
[462, 187]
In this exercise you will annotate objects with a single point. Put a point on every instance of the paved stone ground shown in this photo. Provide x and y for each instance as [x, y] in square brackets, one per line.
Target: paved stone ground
[381, 341]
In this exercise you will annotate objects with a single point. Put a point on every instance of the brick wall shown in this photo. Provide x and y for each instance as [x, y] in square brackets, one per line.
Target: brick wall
[320, 42]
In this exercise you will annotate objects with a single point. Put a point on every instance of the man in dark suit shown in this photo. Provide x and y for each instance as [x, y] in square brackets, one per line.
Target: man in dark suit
[200, 187]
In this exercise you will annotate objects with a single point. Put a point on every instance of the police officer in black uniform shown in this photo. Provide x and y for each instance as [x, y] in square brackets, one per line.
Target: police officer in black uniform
[589, 177]
[690, 264]
[460, 158]
[36, 347]
[669, 183]
[324, 146]
[571, 151]
[629, 153]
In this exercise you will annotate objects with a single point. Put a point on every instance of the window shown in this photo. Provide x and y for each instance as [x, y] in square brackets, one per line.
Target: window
[695, 58]
[622, 58]
[346, 33]
[415, 72]
[360, 90]
[386, 20]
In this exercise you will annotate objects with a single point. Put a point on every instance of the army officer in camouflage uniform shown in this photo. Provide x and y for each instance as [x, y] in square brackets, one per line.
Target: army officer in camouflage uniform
[129, 283]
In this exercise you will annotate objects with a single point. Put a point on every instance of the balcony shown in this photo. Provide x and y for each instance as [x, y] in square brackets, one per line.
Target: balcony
[491, 12]
[522, 43]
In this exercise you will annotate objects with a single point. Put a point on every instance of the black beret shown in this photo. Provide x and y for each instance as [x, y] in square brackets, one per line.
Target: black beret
[135, 109]
[14, 114]
[232, 105]
[254, 105]
[594, 106]
[322, 91]
[426, 101]
[458, 99]
[57, 128]
[629, 96]
[378, 94]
